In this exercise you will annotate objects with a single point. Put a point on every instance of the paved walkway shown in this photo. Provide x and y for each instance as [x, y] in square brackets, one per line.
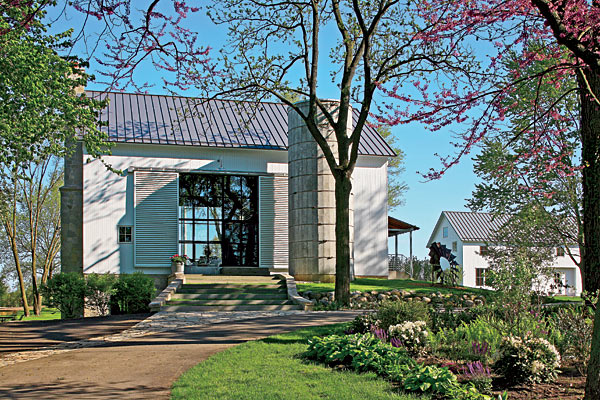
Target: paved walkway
[144, 363]
[33, 335]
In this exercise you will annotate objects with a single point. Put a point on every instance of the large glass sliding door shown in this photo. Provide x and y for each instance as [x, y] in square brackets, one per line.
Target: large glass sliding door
[218, 219]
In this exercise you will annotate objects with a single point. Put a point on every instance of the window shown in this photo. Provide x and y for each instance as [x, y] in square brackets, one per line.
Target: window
[445, 232]
[454, 246]
[124, 234]
[483, 250]
[560, 252]
[480, 276]
[218, 219]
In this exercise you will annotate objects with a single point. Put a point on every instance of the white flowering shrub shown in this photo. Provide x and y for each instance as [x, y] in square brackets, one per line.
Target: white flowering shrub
[412, 335]
[529, 360]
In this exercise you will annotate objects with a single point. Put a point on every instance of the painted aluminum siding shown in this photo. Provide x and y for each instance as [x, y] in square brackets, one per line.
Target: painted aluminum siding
[155, 218]
[273, 221]
[370, 218]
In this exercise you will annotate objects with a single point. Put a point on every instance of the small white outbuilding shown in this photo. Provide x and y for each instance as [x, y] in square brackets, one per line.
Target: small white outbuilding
[468, 234]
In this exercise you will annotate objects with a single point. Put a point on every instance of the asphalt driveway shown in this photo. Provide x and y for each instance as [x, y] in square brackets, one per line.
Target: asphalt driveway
[143, 367]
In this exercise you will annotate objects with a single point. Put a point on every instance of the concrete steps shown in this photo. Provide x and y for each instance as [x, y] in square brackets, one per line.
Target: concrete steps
[230, 308]
[229, 296]
[230, 293]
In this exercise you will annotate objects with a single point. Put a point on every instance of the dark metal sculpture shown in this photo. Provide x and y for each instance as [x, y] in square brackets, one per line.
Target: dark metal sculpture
[437, 251]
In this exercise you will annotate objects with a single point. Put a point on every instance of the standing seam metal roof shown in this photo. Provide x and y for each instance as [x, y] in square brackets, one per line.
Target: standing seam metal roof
[154, 119]
[475, 227]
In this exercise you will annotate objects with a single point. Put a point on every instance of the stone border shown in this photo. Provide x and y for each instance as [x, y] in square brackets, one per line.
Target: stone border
[292, 291]
[165, 295]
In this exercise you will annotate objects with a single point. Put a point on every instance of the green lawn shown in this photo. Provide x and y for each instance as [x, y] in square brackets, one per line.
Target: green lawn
[563, 299]
[272, 369]
[47, 313]
[369, 284]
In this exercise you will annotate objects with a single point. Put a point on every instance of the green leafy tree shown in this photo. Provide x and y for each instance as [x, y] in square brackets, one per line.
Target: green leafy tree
[42, 113]
[514, 176]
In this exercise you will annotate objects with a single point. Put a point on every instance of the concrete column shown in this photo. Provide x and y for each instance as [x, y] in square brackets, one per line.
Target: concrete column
[312, 201]
[71, 212]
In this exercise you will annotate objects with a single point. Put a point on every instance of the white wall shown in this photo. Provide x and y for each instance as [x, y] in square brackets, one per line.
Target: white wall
[563, 264]
[108, 199]
[370, 217]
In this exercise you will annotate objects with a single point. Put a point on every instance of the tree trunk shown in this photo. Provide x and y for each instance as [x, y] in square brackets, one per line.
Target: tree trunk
[590, 138]
[15, 252]
[343, 187]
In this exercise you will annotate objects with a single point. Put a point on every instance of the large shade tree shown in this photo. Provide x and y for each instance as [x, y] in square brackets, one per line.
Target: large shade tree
[41, 114]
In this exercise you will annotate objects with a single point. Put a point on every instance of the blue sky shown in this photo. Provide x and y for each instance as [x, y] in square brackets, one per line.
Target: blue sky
[424, 201]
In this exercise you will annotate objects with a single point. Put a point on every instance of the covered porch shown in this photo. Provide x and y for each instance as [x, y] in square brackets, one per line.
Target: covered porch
[398, 227]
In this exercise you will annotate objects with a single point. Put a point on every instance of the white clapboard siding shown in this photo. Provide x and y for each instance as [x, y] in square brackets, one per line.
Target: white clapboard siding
[155, 218]
[273, 221]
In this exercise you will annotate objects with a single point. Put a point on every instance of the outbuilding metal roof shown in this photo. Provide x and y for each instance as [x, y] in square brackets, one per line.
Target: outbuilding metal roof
[396, 227]
[186, 121]
[475, 226]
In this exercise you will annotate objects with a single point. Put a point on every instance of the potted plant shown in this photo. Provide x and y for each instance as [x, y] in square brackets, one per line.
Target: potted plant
[177, 263]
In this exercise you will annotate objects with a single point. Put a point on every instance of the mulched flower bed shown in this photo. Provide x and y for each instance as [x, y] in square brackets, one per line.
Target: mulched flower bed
[570, 384]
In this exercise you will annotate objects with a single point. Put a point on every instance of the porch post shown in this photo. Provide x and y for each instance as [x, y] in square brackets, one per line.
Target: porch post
[411, 254]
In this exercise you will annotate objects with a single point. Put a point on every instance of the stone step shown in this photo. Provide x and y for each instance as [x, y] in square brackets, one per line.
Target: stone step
[227, 302]
[233, 279]
[231, 308]
[232, 286]
[245, 271]
[193, 290]
[232, 296]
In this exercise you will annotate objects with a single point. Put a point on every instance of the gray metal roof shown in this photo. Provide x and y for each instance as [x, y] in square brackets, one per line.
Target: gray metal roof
[154, 119]
[475, 226]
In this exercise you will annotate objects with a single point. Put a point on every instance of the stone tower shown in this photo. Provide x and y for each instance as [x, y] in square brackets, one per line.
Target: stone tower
[312, 200]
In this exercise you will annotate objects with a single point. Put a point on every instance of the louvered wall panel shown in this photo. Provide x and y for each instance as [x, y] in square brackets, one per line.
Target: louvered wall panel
[273, 221]
[155, 214]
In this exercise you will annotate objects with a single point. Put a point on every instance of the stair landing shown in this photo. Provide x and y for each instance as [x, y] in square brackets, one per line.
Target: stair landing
[230, 293]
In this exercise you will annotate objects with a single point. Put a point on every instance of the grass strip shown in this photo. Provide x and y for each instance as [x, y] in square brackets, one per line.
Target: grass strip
[370, 284]
[272, 369]
[47, 313]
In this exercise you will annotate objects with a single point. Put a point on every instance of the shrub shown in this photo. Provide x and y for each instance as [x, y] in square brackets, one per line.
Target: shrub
[132, 294]
[527, 360]
[477, 340]
[66, 291]
[449, 319]
[412, 336]
[361, 324]
[572, 328]
[99, 290]
[396, 312]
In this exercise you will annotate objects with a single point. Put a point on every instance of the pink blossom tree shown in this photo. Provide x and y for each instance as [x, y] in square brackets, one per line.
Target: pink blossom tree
[569, 31]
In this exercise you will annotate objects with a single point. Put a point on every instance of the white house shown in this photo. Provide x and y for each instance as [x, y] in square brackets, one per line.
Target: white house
[467, 235]
[228, 184]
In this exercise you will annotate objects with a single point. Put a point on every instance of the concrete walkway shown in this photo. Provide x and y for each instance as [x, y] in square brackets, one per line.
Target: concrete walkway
[143, 367]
